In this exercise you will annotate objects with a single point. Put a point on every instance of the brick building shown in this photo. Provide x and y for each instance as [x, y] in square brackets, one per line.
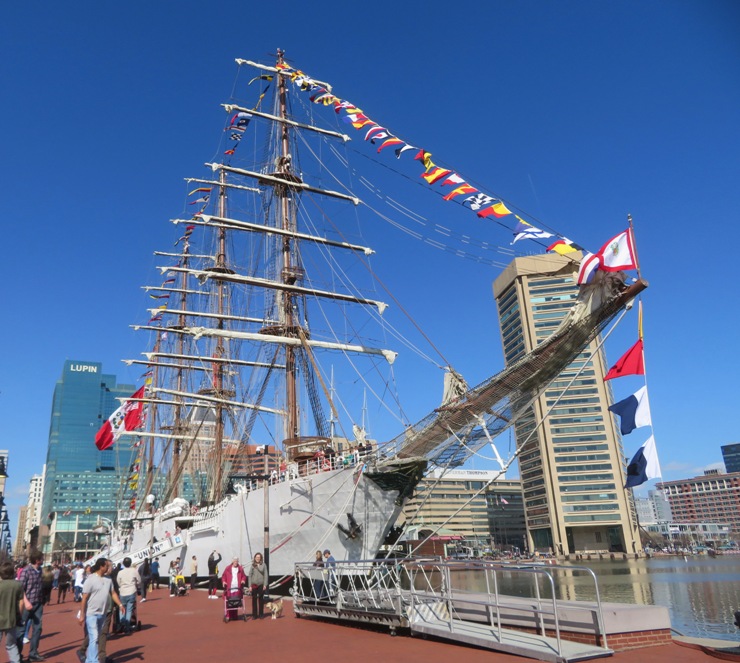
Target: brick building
[710, 498]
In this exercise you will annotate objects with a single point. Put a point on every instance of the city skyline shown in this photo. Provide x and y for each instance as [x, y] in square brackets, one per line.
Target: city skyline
[578, 142]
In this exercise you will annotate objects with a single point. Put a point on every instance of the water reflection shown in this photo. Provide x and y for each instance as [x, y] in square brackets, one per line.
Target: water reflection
[701, 593]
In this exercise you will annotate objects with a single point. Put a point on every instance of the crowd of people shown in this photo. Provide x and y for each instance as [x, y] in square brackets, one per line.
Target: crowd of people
[108, 595]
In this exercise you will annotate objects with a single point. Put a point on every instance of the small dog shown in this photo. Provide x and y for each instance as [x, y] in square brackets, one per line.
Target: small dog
[275, 607]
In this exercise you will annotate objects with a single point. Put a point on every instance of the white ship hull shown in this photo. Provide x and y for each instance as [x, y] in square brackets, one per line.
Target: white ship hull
[304, 516]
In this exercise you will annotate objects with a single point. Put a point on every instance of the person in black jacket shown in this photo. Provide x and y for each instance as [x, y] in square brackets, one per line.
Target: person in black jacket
[213, 559]
[65, 577]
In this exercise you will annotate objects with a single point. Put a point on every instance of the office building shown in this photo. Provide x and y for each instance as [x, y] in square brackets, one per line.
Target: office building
[29, 518]
[454, 502]
[572, 465]
[688, 535]
[653, 509]
[711, 498]
[731, 456]
[81, 483]
[5, 543]
[19, 549]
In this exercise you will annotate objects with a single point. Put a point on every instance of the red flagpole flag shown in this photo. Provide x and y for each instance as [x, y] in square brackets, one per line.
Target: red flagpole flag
[631, 363]
[126, 418]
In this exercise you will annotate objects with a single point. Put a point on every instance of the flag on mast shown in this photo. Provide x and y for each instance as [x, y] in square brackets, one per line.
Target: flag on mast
[644, 465]
[630, 363]
[633, 412]
[125, 419]
[618, 253]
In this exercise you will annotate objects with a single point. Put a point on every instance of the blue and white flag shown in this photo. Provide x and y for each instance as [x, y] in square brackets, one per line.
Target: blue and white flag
[633, 412]
[524, 230]
[644, 466]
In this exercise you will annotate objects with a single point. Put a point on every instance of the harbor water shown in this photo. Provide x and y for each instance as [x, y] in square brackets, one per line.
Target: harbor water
[700, 592]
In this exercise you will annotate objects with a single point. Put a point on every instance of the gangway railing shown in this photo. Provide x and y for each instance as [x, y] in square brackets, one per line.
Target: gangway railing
[513, 608]
[367, 591]
[472, 591]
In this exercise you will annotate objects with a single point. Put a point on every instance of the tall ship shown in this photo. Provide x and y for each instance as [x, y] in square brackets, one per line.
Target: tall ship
[268, 333]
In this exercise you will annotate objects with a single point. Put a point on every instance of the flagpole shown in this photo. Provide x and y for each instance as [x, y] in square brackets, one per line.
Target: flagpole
[634, 245]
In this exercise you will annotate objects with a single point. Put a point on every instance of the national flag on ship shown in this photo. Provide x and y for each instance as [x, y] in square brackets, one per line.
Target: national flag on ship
[633, 412]
[644, 466]
[631, 362]
[125, 419]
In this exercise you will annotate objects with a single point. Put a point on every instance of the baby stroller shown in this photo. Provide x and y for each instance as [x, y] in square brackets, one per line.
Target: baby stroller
[181, 589]
[233, 603]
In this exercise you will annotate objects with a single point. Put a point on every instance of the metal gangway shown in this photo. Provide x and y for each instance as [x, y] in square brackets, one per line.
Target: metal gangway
[503, 607]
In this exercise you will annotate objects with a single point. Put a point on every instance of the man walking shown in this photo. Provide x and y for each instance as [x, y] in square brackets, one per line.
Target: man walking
[96, 594]
[128, 587]
[79, 580]
[11, 607]
[30, 580]
[155, 573]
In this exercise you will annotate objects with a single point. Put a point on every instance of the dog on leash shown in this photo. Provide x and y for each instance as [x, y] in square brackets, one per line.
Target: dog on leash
[275, 607]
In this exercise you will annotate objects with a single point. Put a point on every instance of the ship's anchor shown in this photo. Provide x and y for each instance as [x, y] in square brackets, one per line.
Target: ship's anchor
[354, 527]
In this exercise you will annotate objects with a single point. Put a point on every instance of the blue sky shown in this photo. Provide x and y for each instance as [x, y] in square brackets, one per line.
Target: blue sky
[577, 112]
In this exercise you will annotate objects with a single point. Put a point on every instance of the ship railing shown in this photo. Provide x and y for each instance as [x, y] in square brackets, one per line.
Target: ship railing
[298, 470]
[208, 518]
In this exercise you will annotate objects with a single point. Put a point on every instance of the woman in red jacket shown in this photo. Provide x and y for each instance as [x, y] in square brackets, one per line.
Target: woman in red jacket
[234, 579]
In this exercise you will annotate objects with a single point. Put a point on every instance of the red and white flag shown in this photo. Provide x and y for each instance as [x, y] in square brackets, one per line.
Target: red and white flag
[589, 264]
[618, 253]
[125, 419]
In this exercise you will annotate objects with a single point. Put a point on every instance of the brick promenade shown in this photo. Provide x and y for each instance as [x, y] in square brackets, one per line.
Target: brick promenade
[190, 629]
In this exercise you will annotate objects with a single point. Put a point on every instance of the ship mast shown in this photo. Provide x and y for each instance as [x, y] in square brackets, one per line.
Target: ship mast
[178, 429]
[290, 272]
[218, 369]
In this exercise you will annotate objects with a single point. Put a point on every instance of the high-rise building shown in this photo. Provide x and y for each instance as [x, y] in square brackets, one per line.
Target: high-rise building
[19, 549]
[35, 501]
[5, 544]
[711, 498]
[28, 534]
[82, 483]
[731, 456]
[653, 509]
[572, 465]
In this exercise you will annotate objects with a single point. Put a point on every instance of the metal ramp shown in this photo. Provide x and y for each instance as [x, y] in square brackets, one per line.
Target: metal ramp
[434, 598]
[168, 545]
[435, 620]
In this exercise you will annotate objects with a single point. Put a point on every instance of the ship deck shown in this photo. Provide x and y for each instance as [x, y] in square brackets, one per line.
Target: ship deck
[190, 629]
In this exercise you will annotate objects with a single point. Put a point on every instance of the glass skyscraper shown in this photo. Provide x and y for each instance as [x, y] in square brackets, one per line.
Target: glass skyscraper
[82, 483]
[731, 456]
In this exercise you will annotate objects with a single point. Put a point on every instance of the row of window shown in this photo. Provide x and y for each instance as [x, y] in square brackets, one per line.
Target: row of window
[567, 469]
[593, 518]
[580, 448]
[581, 457]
